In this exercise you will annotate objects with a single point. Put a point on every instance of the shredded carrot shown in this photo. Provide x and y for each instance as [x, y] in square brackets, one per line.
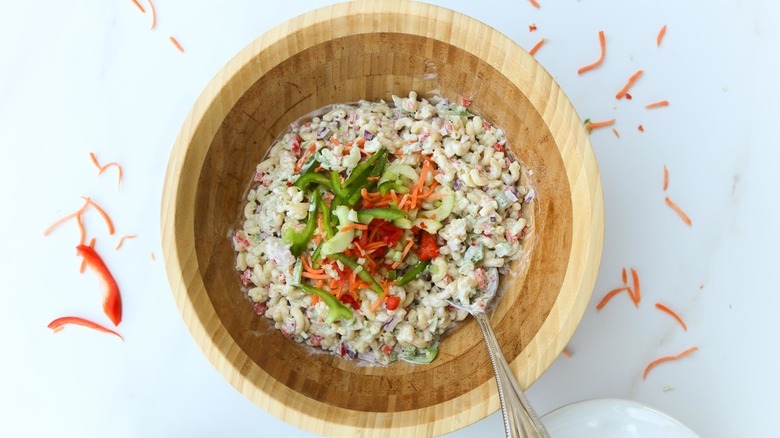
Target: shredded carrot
[603, 44]
[659, 361]
[625, 276]
[314, 276]
[679, 211]
[93, 157]
[379, 301]
[154, 14]
[658, 104]
[354, 227]
[610, 295]
[672, 313]
[406, 249]
[135, 2]
[623, 91]
[666, 178]
[641, 128]
[614, 131]
[595, 125]
[636, 296]
[534, 3]
[103, 213]
[176, 44]
[305, 156]
[77, 215]
[103, 168]
[122, 240]
[315, 299]
[536, 47]
[566, 353]
[660, 36]
[83, 266]
[531, 27]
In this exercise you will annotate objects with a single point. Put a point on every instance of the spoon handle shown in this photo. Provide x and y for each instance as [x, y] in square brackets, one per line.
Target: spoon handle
[520, 419]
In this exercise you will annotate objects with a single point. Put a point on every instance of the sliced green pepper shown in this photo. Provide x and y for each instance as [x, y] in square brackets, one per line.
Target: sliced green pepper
[413, 273]
[355, 192]
[420, 355]
[315, 256]
[336, 309]
[304, 180]
[362, 273]
[364, 168]
[300, 240]
[388, 214]
[335, 185]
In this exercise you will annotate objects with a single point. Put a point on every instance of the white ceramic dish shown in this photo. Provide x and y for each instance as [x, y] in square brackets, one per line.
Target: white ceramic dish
[613, 418]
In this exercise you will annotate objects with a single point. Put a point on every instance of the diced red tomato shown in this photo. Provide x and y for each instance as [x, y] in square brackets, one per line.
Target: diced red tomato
[387, 349]
[295, 144]
[392, 302]
[465, 102]
[260, 308]
[347, 299]
[429, 249]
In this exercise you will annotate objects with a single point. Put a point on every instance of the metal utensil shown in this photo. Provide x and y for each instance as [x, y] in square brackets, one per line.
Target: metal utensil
[520, 419]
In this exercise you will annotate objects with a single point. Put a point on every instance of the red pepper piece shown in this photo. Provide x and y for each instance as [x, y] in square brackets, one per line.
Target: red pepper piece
[392, 302]
[429, 249]
[112, 303]
[59, 323]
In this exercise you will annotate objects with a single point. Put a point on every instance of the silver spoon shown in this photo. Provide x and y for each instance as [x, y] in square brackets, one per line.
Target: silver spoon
[520, 419]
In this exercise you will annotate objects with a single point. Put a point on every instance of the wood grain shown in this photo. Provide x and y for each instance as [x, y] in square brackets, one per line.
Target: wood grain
[371, 50]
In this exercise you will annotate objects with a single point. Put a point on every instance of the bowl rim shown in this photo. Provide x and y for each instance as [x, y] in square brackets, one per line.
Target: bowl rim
[565, 314]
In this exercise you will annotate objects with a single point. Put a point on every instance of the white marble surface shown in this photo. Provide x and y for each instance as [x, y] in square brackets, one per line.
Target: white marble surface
[89, 75]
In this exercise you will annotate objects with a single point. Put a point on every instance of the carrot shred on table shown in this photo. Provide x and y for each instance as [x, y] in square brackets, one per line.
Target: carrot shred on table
[671, 313]
[603, 45]
[625, 276]
[83, 266]
[679, 211]
[623, 91]
[176, 44]
[615, 131]
[534, 3]
[661, 360]
[77, 214]
[354, 227]
[666, 178]
[154, 14]
[660, 36]
[106, 217]
[610, 295]
[595, 125]
[103, 168]
[135, 2]
[636, 295]
[536, 47]
[122, 240]
[658, 104]
[641, 128]
[566, 353]
[532, 27]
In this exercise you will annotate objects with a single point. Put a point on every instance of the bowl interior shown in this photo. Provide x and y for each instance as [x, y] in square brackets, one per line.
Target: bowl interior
[374, 66]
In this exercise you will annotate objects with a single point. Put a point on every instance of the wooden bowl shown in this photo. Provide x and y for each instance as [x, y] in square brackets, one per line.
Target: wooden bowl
[371, 50]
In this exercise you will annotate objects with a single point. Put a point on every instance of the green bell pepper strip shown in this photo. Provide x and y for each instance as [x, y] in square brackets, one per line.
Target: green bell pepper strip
[354, 194]
[336, 309]
[315, 256]
[364, 168]
[300, 240]
[362, 273]
[420, 355]
[388, 214]
[335, 185]
[304, 180]
[413, 273]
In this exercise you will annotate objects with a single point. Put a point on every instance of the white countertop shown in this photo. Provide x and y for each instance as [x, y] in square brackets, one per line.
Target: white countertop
[90, 76]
